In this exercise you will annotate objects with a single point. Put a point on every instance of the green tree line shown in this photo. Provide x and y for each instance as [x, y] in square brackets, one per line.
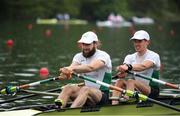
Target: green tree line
[88, 9]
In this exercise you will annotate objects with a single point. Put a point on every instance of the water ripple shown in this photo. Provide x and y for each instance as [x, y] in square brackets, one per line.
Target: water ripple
[24, 74]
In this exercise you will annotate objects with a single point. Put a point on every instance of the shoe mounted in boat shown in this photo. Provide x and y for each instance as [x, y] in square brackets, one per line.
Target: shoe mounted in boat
[58, 102]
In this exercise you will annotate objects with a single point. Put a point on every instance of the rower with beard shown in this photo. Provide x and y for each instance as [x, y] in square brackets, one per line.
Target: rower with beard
[91, 62]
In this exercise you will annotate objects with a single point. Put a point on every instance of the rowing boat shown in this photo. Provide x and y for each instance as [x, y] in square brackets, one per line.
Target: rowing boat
[170, 96]
[54, 21]
[162, 106]
[124, 108]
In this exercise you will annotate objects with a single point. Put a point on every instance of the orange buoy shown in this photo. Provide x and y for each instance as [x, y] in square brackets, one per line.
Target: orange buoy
[48, 33]
[44, 72]
[160, 28]
[172, 32]
[29, 26]
[132, 30]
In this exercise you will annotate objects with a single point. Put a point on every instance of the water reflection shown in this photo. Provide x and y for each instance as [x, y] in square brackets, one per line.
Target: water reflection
[24, 74]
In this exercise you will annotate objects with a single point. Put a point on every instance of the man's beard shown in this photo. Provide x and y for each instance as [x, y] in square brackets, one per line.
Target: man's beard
[89, 54]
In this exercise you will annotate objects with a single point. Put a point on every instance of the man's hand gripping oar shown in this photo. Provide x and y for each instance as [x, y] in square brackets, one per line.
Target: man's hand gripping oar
[65, 73]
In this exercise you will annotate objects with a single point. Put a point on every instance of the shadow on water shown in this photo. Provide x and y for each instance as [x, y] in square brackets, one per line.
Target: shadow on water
[33, 49]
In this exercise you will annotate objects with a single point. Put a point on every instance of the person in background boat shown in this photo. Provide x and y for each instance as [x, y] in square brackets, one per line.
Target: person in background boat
[91, 62]
[61, 17]
[66, 17]
[111, 17]
[143, 61]
[115, 19]
[119, 19]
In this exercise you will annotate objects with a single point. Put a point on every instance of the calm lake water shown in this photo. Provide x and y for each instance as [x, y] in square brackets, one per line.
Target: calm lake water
[34, 49]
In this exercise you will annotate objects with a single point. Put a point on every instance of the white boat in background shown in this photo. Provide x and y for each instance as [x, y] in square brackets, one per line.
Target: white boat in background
[113, 24]
[142, 21]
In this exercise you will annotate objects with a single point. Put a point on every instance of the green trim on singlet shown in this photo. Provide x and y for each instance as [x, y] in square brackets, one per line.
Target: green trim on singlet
[156, 76]
[107, 79]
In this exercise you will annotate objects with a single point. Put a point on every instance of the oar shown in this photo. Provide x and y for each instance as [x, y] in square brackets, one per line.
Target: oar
[155, 80]
[47, 92]
[14, 89]
[127, 92]
[28, 96]
[152, 79]
[40, 92]
[33, 95]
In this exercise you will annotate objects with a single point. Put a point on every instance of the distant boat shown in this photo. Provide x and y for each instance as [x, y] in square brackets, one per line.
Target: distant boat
[113, 24]
[55, 21]
[74, 22]
[114, 21]
[46, 21]
[142, 21]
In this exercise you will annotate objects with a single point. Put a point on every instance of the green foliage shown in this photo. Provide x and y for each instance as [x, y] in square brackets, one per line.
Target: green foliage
[87, 9]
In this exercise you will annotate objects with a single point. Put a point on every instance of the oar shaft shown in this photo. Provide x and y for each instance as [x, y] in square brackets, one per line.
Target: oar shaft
[37, 83]
[152, 79]
[128, 92]
[155, 80]
[163, 104]
[40, 92]
[11, 90]
[27, 96]
[142, 76]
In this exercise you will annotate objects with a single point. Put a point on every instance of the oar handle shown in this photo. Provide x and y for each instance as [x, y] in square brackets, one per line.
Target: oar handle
[172, 85]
